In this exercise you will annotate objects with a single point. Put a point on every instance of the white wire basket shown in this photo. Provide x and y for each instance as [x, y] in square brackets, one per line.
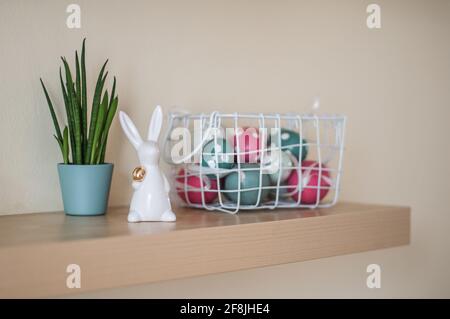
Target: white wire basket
[231, 162]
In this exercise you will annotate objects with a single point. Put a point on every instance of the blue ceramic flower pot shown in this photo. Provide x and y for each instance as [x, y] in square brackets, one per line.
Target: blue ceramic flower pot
[85, 188]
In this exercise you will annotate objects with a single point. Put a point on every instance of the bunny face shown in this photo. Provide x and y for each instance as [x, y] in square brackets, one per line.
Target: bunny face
[148, 150]
[148, 153]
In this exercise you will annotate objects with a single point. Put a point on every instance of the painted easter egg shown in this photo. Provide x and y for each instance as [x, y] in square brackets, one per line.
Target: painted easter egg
[247, 143]
[218, 155]
[249, 185]
[190, 188]
[310, 183]
[290, 142]
[278, 163]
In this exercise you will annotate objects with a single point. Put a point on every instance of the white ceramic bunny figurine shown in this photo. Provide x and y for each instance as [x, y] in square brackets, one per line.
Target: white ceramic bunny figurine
[150, 200]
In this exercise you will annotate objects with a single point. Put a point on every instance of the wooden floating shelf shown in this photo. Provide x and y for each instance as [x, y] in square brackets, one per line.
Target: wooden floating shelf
[35, 249]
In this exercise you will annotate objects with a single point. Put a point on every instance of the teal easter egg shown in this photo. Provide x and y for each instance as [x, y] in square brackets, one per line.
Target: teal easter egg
[290, 142]
[218, 155]
[250, 184]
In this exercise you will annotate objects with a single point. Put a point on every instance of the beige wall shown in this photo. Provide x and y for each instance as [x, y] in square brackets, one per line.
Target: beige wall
[393, 84]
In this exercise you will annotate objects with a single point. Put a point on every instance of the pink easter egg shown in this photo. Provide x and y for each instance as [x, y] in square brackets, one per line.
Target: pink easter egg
[249, 144]
[194, 188]
[310, 182]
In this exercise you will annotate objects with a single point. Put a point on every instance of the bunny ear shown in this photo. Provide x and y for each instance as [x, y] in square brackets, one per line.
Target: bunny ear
[155, 124]
[130, 129]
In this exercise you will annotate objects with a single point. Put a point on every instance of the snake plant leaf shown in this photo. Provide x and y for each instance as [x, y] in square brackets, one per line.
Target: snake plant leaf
[78, 99]
[94, 112]
[77, 154]
[65, 146]
[101, 157]
[84, 96]
[78, 79]
[109, 118]
[52, 112]
[112, 93]
[60, 143]
[68, 113]
[104, 79]
[99, 127]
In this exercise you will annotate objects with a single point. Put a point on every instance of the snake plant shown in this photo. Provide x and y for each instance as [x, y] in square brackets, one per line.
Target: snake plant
[79, 142]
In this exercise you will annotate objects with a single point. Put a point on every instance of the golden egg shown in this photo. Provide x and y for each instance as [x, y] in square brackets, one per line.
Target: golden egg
[138, 174]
